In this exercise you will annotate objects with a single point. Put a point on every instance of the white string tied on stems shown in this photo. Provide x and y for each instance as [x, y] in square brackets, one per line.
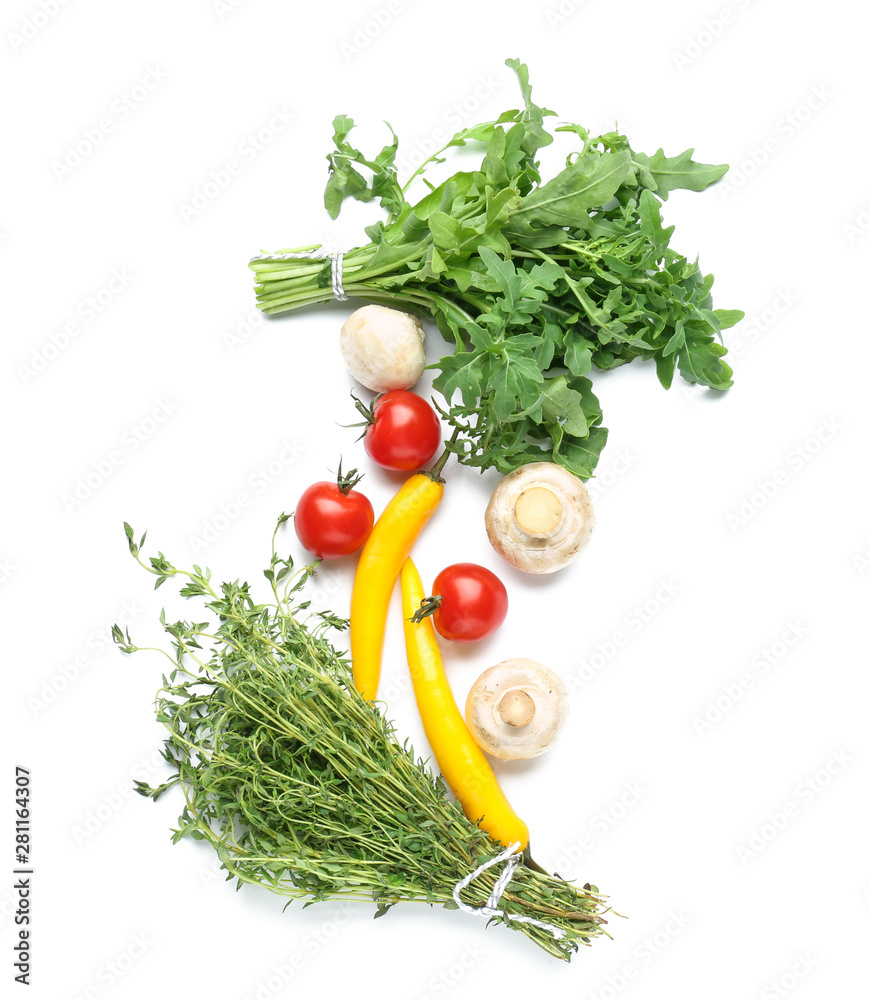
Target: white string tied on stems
[511, 859]
[338, 275]
[336, 259]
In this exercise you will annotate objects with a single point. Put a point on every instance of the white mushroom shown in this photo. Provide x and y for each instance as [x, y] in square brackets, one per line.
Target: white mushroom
[384, 348]
[516, 709]
[539, 517]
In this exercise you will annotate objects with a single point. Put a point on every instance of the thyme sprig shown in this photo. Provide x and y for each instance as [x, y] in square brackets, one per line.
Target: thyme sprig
[301, 785]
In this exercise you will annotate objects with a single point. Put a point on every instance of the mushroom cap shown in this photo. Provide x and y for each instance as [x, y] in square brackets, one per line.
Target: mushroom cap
[498, 712]
[539, 517]
[383, 348]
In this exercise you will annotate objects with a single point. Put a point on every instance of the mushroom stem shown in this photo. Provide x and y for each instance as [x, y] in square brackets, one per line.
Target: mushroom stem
[516, 708]
[538, 510]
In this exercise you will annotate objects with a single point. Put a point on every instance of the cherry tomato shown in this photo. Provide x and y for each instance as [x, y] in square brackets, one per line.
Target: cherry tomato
[473, 602]
[404, 431]
[333, 519]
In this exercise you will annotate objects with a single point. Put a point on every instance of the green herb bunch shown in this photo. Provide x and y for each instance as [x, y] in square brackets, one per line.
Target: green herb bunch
[535, 283]
[300, 785]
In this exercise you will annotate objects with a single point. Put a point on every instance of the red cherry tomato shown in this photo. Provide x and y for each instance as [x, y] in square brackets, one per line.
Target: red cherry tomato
[473, 605]
[333, 519]
[404, 432]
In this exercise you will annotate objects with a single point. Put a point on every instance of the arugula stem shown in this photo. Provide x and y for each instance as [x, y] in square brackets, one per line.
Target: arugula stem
[453, 142]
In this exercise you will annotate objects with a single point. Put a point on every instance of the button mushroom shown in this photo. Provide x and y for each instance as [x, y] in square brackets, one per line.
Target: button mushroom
[516, 709]
[539, 517]
[384, 348]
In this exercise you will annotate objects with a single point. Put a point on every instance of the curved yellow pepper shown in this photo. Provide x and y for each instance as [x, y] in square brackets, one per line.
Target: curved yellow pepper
[461, 761]
[388, 545]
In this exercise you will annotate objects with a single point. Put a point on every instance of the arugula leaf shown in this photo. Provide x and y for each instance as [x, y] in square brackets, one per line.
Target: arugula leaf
[346, 182]
[505, 277]
[513, 380]
[671, 172]
[460, 372]
[534, 135]
[728, 317]
[562, 405]
[579, 455]
[650, 223]
[449, 234]
[566, 199]
[578, 355]
[700, 362]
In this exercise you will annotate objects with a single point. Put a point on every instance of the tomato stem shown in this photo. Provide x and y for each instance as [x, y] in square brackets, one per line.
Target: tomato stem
[348, 482]
[366, 411]
[427, 606]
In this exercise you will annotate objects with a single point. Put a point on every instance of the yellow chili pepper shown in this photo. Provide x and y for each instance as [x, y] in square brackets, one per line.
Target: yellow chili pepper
[388, 545]
[461, 761]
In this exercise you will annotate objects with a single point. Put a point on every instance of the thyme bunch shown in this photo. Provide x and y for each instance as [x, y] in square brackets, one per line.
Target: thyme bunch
[299, 784]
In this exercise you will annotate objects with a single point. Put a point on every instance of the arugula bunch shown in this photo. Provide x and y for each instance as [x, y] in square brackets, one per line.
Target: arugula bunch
[536, 283]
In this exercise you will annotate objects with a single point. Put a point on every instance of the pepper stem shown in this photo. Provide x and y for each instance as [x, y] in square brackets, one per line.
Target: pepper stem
[531, 863]
[435, 471]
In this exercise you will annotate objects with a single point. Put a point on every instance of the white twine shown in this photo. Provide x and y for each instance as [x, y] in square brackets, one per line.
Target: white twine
[337, 276]
[511, 860]
[337, 260]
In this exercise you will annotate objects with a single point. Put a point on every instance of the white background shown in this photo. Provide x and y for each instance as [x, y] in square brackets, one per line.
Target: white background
[713, 778]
